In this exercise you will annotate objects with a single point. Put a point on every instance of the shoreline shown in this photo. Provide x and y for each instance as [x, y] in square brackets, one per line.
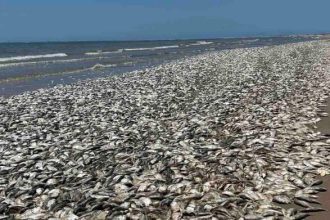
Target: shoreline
[48, 78]
[223, 134]
[323, 126]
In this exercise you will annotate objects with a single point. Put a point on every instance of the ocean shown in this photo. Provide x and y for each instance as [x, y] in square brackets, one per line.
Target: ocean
[30, 66]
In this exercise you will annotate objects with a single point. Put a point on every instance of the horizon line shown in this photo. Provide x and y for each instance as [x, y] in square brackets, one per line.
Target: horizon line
[173, 39]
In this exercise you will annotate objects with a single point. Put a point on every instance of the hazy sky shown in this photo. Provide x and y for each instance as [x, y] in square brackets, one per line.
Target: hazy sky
[52, 20]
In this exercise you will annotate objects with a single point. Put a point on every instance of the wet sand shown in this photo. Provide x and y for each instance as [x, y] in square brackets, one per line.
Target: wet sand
[324, 198]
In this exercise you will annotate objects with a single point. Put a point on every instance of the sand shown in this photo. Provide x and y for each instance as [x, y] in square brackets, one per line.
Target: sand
[324, 198]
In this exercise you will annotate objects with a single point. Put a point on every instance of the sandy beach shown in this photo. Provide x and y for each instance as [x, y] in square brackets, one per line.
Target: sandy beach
[222, 135]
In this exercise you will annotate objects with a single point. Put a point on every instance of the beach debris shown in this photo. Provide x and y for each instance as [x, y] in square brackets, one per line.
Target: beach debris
[222, 135]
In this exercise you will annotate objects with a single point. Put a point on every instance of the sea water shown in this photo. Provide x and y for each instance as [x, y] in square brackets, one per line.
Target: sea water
[29, 66]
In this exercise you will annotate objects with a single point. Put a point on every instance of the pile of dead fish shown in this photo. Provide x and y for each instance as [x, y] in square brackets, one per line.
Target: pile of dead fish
[223, 135]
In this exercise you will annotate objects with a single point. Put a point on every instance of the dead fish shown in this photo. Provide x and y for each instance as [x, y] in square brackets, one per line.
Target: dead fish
[282, 199]
[253, 217]
[313, 209]
[221, 135]
[300, 216]
[302, 203]
[307, 199]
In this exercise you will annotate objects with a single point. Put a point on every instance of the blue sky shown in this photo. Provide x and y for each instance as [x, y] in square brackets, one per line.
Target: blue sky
[61, 20]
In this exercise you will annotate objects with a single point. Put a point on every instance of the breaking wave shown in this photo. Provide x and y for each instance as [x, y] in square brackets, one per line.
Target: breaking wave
[103, 52]
[47, 62]
[32, 57]
[152, 48]
[102, 66]
[198, 43]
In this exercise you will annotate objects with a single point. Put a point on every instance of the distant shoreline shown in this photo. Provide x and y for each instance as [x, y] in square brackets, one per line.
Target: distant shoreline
[179, 39]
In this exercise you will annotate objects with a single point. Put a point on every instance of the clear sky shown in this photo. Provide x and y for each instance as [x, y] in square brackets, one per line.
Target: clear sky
[61, 20]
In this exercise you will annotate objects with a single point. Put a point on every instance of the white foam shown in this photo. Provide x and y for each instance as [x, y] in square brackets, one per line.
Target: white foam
[101, 66]
[32, 57]
[152, 48]
[47, 62]
[198, 43]
[103, 52]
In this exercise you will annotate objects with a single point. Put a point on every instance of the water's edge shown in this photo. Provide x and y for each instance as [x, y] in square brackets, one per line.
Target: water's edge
[93, 60]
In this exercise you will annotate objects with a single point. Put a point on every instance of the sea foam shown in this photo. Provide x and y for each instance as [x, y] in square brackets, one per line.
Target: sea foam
[152, 48]
[198, 43]
[103, 52]
[48, 62]
[31, 57]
